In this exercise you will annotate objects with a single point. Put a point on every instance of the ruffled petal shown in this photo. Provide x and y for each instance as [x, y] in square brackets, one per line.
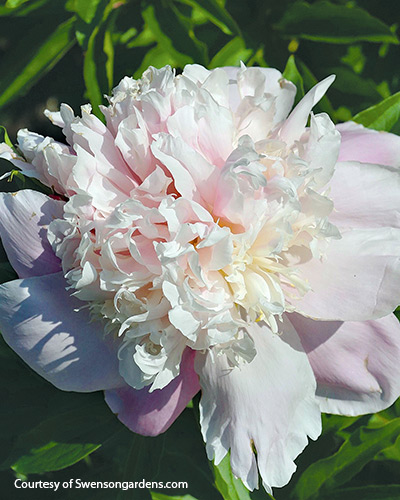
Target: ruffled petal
[194, 177]
[356, 364]
[365, 196]
[370, 146]
[24, 218]
[270, 81]
[151, 413]
[342, 290]
[40, 321]
[268, 405]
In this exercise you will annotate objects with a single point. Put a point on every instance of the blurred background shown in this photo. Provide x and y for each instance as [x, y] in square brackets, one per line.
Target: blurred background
[75, 51]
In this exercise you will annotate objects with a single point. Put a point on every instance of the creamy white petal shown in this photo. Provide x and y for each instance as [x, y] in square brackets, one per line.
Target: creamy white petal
[268, 405]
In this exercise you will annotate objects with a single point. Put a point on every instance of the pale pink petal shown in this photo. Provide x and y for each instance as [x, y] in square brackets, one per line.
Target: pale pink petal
[294, 126]
[133, 141]
[24, 218]
[91, 134]
[273, 84]
[357, 280]
[194, 176]
[196, 73]
[322, 149]
[356, 364]
[215, 132]
[370, 146]
[151, 413]
[365, 196]
[52, 161]
[267, 405]
[46, 326]
[283, 91]
[217, 85]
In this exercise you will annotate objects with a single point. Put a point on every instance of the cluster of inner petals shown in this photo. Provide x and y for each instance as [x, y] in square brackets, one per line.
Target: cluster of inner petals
[188, 213]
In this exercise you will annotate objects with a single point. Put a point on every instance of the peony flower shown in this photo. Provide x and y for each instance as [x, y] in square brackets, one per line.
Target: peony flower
[207, 239]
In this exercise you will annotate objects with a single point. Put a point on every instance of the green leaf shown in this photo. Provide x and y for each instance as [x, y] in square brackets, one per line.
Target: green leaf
[179, 30]
[38, 58]
[217, 14]
[358, 449]
[174, 33]
[64, 436]
[158, 57]
[42, 428]
[13, 4]
[227, 484]
[86, 9]
[52, 456]
[326, 22]
[349, 82]
[335, 423]
[93, 90]
[355, 58]
[292, 73]
[108, 49]
[379, 492]
[382, 116]
[390, 453]
[24, 8]
[99, 59]
[164, 42]
[6, 138]
[231, 54]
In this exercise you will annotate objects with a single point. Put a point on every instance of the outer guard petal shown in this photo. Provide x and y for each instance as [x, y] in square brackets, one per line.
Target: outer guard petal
[357, 280]
[39, 321]
[24, 217]
[356, 364]
[151, 413]
[268, 404]
[366, 145]
[365, 196]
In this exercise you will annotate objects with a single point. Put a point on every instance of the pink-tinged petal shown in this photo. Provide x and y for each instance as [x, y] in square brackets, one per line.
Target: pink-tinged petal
[283, 90]
[132, 140]
[357, 280]
[24, 218]
[52, 162]
[294, 126]
[194, 177]
[44, 325]
[196, 73]
[273, 83]
[365, 196]
[370, 146]
[217, 85]
[356, 364]
[268, 404]
[321, 151]
[151, 413]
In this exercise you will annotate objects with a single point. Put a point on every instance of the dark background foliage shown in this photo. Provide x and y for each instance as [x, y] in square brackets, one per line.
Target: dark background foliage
[75, 51]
